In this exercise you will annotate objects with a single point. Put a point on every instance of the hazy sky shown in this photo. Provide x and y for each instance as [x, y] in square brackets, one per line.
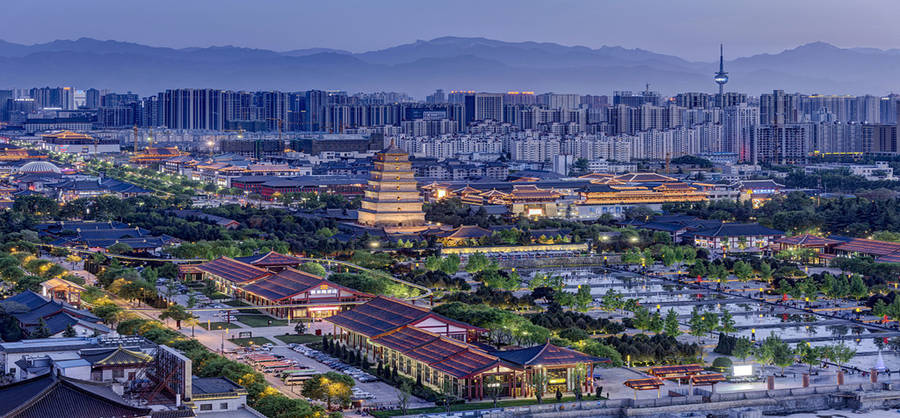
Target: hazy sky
[688, 28]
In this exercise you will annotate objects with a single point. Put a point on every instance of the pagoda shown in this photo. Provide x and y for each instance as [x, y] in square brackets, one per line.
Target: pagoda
[391, 198]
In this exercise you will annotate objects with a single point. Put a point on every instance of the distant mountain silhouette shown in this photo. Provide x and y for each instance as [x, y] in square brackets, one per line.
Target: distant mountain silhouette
[448, 62]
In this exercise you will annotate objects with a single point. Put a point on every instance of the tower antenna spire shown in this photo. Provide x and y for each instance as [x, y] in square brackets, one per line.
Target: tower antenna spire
[721, 77]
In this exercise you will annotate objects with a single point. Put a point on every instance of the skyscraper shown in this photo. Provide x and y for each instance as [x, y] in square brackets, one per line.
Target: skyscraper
[721, 77]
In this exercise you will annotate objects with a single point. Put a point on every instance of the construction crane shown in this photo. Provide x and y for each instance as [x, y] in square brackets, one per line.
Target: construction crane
[280, 126]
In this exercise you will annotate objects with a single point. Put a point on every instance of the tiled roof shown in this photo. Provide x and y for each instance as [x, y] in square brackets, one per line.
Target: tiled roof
[52, 396]
[288, 283]
[378, 316]
[450, 356]
[680, 369]
[270, 258]
[469, 232]
[890, 258]
[806, 240]
[737, 230]
[115, 357]
[869, 246]
[232, 270]
[546, 355]
[28, 298]
[644, 178]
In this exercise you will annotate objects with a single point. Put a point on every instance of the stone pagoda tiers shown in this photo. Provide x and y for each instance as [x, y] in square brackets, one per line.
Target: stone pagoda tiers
[391, 198]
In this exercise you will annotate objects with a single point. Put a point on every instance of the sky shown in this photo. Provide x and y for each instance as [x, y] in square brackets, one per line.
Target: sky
[691, 29]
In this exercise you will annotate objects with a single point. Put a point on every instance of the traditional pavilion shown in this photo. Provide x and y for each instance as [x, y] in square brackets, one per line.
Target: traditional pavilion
[391, 198]
[156, 155]
[464, 234]
[115, 364]
[438, 351]
[271, 261]
[735, 237]
[62, 290]
[271, 280]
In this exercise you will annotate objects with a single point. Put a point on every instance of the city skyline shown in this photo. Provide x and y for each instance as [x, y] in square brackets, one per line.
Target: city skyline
[568, 23]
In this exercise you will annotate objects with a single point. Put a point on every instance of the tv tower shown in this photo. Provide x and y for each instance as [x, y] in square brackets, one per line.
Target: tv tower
[721, 77]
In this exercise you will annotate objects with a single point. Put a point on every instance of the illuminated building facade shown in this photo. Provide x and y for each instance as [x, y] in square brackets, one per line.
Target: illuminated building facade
[391, 198]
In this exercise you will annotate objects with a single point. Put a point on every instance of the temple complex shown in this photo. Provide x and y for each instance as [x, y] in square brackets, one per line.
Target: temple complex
[391, 198]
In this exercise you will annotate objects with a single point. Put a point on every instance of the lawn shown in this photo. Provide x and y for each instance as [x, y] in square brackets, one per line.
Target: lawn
[298, 339]
[254, 321]
[247, 342]
[549, 399]
[218, 325]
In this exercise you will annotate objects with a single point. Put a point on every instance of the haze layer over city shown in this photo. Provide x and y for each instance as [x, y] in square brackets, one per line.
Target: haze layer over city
[488, 209]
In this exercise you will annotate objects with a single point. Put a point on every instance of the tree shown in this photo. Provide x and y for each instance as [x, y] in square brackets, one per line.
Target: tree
[710, 322]
[450, 264]
[727, 322]
[403, 396]
[839, 353]
[743, 348]
[808, 354]
[314, 268]
[69, 332]
[671, 326]
[858, 288]
[539, 381]
[300, 327]
[774, 351]
[109, 312]
[329, 387]
[477, 262]
[656, 323]
[119, 248]
[175, 312]
[696, 324]
[742, 271]
[765, 271]
[583, 298]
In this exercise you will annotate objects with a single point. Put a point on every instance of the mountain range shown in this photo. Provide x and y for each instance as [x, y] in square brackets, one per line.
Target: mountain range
[420, 67]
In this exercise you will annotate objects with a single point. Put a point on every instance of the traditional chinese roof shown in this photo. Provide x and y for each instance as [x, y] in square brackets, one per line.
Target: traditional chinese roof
[737, 230]
[468, 232]
[288, 283]
[757, 184]
[597, 176]
[675, 187]
[707, 379]
[67, 135]
[890, 258]
[270, 258]
[680, 369]
[52, 396]
[55, 283]
[448, 355]
[807, 240]
[115, 357]
[649, 383]
[546, 355]
[232, 270]
[869, 246]
[644, 178]
[383, 314]
[467, 190]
